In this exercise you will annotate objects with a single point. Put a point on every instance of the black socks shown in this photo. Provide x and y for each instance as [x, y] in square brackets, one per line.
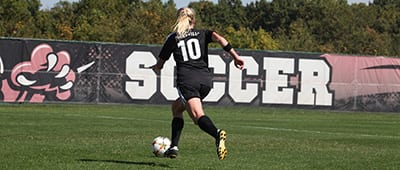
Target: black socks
[204, 123]
[207, 126]
[177, 126]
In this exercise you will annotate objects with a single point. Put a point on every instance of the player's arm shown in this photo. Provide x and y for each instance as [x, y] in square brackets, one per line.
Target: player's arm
[159, 65]
[239, 63]
[165, 53]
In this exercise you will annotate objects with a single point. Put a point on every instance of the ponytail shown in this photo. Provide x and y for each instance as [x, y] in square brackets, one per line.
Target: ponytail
[184, 22]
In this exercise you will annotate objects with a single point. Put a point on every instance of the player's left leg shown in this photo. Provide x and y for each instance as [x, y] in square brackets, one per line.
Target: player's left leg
[176, 128]
[177, 122]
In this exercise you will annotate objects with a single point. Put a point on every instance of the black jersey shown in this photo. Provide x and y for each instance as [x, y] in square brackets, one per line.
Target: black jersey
[191, 56]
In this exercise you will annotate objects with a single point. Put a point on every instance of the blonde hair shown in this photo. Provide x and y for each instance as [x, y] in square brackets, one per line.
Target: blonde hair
[184, 22]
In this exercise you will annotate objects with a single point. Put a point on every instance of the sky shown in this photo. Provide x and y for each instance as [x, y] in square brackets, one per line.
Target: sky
[46, 4]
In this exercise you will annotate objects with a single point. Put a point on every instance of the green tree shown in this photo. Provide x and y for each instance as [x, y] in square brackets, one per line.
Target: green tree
[99, 20]
[225, 13]
[330, 26]
[383, 3]
[246, 38]
[148, 22]
[228, 18]
[17, 18]
[58, 23]
[387, 24]
[259, 15]
[300, 38]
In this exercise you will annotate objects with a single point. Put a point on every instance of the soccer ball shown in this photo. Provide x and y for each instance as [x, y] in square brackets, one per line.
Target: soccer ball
[160, 145]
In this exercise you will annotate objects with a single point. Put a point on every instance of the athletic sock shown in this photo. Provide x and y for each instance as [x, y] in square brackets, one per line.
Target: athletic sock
[177, 126]
[208, 126]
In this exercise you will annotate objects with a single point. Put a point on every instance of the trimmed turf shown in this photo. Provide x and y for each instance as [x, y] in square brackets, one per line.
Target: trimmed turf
[55, 136]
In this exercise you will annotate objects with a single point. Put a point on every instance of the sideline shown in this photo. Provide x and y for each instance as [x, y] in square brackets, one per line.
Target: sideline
[252, 127]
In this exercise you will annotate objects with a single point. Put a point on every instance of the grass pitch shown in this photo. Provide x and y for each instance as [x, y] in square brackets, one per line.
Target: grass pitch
[67, 136]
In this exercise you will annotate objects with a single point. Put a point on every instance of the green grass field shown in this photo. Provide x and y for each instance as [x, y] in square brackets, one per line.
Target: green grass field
[56, 136]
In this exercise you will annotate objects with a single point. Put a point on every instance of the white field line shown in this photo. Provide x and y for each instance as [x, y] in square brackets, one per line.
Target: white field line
[117, 118]
[320, 132]
[250, 127]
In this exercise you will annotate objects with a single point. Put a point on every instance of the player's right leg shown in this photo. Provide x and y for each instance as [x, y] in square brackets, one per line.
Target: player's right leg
[194, 107]
[220, 143]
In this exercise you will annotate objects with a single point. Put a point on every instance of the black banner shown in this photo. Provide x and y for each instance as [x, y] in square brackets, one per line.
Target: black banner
[58, 71]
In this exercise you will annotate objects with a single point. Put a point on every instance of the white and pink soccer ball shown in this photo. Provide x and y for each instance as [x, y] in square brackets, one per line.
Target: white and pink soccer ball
[160, 145]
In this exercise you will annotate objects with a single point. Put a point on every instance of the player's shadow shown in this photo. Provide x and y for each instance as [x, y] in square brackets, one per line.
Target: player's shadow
[126, 162]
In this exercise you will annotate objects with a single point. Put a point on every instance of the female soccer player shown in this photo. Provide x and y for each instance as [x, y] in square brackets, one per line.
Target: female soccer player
[190, 49]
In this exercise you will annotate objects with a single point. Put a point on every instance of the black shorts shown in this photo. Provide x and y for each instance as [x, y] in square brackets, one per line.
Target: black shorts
[188, 91]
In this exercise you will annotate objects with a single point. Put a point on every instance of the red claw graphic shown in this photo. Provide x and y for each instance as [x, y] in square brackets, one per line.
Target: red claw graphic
[47, 72]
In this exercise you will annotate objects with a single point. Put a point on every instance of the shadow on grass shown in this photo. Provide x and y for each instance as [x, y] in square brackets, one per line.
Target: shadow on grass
[126, 162]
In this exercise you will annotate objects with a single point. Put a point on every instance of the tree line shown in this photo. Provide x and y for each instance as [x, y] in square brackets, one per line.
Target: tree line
[327, 26]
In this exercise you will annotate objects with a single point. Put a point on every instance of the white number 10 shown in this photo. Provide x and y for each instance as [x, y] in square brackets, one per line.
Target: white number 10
[192, 47]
